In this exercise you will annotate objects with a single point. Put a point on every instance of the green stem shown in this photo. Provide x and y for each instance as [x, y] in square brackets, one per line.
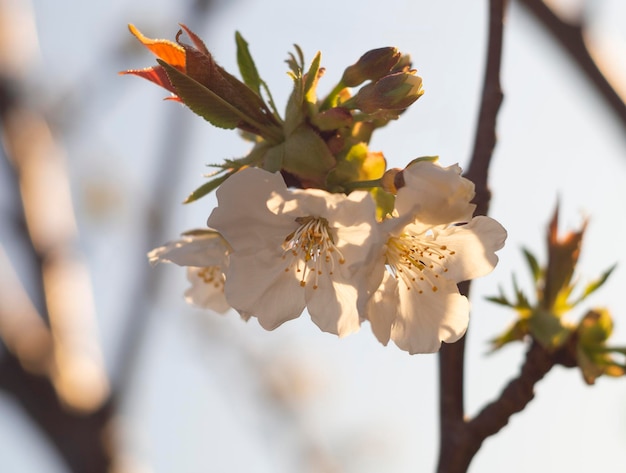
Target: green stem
[331, 99]
[350, 186]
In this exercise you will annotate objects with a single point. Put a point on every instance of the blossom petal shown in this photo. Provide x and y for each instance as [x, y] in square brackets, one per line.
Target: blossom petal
[425, 320]
[257, 284]
[382, 308]
[243, 217]
[474, 246]
[435, 195]
[200, 248]
[208, 294]
[333, 306]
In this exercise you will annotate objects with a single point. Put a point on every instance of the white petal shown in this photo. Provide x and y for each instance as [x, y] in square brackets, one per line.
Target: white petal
[258, 216]
[242, 216]
[435, 195]
[474, 246]
[427, 319]
[257, 284]
[333, 306]
[205, 294]
[195, 248]
[382, 308]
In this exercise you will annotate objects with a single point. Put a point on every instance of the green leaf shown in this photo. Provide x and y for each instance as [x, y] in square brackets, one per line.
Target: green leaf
[535, 269]
[207, 188]
[594, 285]
[307, 156]
[203, 101]
[256, 117]
[548, 329]
[294, 113]
[502, 300]
[274, 157]
[312, 76]
[515, 333]
[522, 300]
[247, 68]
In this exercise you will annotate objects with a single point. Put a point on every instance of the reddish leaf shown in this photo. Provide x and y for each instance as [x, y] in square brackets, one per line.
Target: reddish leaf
[154, 74]
[195, 39]
[203, 68]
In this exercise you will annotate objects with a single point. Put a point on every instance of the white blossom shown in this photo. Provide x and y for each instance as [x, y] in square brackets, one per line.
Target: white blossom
[295, 248]
[205, 253]
[432, 244]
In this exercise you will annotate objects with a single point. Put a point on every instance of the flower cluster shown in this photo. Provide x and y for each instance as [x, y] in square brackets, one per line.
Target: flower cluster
[311, 218]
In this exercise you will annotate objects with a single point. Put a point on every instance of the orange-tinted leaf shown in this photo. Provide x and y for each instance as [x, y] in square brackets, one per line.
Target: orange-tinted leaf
[168, 51]
[154, 74]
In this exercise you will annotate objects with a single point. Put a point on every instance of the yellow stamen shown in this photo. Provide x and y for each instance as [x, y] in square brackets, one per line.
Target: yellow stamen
[416, 261]
[312, 247]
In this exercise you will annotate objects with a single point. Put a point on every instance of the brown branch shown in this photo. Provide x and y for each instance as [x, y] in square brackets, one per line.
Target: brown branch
[571, 37]
[455, 452]
[517, 394]
[22, 329]
[42, 368]
[82, 440]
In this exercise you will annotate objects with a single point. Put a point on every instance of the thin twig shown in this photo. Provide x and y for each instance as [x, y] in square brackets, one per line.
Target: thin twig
[455, 451]
[571, 37]
[514, 398]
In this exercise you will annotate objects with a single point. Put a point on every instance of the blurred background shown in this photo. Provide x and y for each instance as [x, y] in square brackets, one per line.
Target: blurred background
[103, 365]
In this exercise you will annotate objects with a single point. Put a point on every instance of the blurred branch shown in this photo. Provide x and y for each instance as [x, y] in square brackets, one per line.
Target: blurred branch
[55, 373]
[78, 371]
[54, 370]
[571, 37]
[83, 440]
[22, 329]
[455, 453]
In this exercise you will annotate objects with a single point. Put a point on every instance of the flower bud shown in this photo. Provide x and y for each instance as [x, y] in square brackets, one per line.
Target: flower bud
[371, 66]
[332, 119]
[595, 328]
[392, 180]
[403, 64]
[392, 92]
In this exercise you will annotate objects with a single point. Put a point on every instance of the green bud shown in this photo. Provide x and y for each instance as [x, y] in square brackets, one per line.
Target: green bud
[403, 64]
[392, 92]
[595, 328]
[371, 66]
[592, 355]
[332, 119]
